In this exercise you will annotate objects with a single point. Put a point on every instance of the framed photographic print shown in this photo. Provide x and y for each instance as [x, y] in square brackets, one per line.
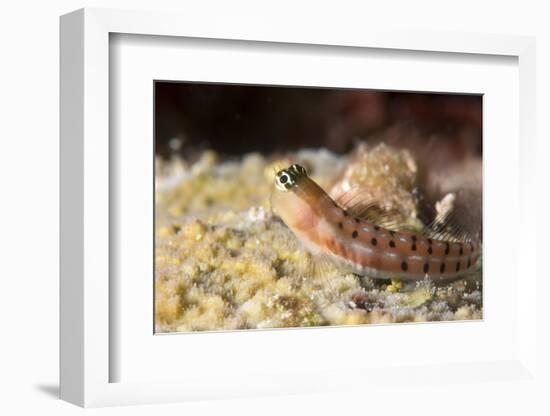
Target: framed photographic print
[282, 207]
[266, 212]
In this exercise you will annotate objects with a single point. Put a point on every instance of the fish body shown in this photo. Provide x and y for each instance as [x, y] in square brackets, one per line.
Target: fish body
[362, 246]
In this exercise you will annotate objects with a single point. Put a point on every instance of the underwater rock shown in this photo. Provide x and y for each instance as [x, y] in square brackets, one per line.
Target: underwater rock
[383, 174]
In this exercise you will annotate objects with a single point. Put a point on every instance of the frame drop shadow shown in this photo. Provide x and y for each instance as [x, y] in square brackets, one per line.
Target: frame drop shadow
[51, 390]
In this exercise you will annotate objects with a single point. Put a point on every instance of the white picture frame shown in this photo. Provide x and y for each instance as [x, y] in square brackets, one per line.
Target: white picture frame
[87, 356]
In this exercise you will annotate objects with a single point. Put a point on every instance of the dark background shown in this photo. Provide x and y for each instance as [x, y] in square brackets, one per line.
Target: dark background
[236, 119]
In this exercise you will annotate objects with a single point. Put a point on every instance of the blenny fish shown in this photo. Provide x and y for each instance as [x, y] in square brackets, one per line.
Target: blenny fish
[360, 243]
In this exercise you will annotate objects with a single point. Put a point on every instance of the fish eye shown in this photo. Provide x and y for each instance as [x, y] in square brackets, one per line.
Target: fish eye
[284, 180]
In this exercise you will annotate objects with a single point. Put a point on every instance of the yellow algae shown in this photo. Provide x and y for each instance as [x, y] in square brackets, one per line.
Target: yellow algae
[468, 312]
[380, 317]
[416, 298]
[168, 305]
[395, 286]
[207, 313]
[223, 261]
[356, 317]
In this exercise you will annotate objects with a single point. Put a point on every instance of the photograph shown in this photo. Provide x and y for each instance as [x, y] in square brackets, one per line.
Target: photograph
[290, 207]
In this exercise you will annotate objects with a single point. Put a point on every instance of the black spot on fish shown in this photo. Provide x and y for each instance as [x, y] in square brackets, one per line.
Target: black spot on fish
[426, 267]
[354, 234]
[413, 247]
[404, 266]
[373, 241]
[413, 238]
[392, 244]
[345, 213]
[457, 266]
[430, 251]
[442, 268]
[447, 248]
[461, 252]
[357, 220]
[376, 228]
[340, 225]
[469, 263]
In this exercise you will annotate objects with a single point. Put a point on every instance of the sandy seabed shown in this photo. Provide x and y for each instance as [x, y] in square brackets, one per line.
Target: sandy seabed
[224, 261]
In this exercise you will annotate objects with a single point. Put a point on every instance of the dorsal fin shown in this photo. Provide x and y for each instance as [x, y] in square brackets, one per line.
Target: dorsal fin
[355, 202]
[447, 225]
